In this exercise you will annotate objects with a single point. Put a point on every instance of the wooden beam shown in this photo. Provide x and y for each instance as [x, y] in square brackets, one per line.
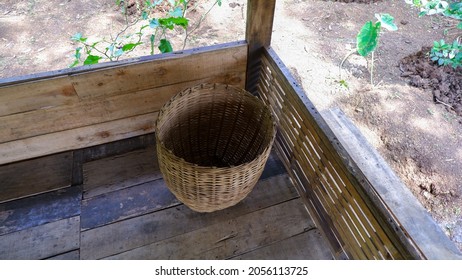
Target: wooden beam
[401, 204]
[37, 210]
[74, 107]
[260, 15]
[41, 241]
[232, 237]
[143, 230]
[35, 176]
[77, 138]
[119, 172]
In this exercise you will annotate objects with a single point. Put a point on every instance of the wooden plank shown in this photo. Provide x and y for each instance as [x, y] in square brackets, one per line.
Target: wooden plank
[37, 210]
[143, 230]
[340, 159]
[42, 241]
[259, 27]
[136, 175]
[77, 138]
[118, 147]
[107, 65]
[411, 215]
[231, 237]
[69, 256]
[309, 245]
[118, 172]
[36, 95]
[126, 203]
[273, 167]
[88, 112]
[228, 61]
[28, 178]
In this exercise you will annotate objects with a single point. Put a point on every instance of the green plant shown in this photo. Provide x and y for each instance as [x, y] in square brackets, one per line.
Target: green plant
[441, 52]
[147, 28]
[447, 54]
[368, 38]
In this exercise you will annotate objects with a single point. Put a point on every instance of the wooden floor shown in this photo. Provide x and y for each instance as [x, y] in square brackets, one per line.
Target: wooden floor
[123, 210]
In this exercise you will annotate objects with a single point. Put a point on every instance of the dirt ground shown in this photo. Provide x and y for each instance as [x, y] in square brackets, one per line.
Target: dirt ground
[421, 139]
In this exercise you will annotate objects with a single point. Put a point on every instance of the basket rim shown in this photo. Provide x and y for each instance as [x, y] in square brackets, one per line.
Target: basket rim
[202, 167]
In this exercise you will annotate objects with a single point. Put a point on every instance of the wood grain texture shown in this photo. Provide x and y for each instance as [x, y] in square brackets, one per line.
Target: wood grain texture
[86, 113]
[108, 95]
[42, 241]
[27, 178]
[260, 15]
[118, 147]
[31, 96]
[143, 230]
[412, 217]
[231, 237]
[119, 172]
[309, 245]
[77, 138]
[228, 62]
[126, 203]
[330, 159]
[69, 256]
[44, 208]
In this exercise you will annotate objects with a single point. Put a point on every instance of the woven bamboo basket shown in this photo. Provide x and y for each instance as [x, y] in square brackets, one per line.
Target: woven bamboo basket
[213, 141]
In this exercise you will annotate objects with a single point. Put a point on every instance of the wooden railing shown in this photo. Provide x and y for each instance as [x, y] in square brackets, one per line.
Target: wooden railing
[360, 204]
[86, 106]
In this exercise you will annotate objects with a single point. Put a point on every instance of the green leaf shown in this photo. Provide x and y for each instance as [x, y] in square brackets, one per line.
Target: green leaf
[118, 52]
[78, 38]
[459, 25]
[172, 21]
[154, 23]
[144, 15]
[92, 59]
[75, 63]
[152, 38]
[165, 46]
[367, 38]
[219, 2]
[77, 53]
[387, 21]
[423, 13]
[131, 46]
[177, 12]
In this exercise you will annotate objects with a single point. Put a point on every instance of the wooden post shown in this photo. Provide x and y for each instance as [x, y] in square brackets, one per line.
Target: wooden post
[260, 15]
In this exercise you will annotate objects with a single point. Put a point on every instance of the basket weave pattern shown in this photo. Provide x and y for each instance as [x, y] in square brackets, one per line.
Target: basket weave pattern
[213, 141]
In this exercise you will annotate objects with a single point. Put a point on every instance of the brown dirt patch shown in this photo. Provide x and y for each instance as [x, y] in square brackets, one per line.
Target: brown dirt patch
[444, 82]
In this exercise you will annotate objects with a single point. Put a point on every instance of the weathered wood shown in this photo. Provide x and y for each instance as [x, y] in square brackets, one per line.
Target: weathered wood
[232, 237]
[107, 97]
[309, 245]
[227, 62]
[77, 138]
[273, 167]
[401, 203]
[119, 172]
[37, 210]
[42, 241]
[72, 255]
[86, 113]
[28, 178]
[126, 203]
[260, 14]
[320, 135]
[150, 228]
[36, 95]
[118, 147]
